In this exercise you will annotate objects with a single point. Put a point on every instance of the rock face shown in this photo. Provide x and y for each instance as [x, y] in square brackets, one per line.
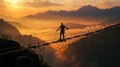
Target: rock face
[100, 49]
[13, 55]
[8, 29]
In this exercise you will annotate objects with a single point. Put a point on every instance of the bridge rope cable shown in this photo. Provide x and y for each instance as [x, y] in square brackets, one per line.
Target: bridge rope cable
[68, 38]
[57, 41]
[38, 33]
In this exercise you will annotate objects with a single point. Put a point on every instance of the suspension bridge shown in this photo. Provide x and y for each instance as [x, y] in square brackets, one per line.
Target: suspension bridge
[59, 41]
[69, 38]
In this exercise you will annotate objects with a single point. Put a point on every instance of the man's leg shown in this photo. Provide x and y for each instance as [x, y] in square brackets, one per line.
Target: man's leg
[64, 39]
[60, 36]
[63, 36]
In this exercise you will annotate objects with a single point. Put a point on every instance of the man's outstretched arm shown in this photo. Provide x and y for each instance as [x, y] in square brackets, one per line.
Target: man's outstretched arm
[58, 29]
[66, 27]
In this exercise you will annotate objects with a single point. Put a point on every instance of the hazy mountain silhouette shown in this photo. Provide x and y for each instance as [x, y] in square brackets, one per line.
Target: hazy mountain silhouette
[8, 29]
[88, 8]
[99, 49]
[111, 21]
[18, 25]
[75, 25]
[30, 40]
[84, 12]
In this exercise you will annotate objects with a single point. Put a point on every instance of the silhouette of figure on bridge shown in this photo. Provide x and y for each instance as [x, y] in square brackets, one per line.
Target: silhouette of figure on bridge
[62, 31]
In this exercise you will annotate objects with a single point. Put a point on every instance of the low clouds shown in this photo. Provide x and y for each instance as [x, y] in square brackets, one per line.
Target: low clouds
[33, 3]
[107, 3]
[98, 3]
[47, 3]
[111, 3]
[39, 3]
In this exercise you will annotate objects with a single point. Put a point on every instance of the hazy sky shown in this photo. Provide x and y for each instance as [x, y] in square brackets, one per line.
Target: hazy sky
[20, 8]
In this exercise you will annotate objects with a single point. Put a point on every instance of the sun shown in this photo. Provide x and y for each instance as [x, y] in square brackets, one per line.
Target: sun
[12, 2]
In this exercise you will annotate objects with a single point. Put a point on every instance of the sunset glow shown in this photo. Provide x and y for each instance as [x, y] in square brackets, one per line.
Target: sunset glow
[29, 7]
[13, 2]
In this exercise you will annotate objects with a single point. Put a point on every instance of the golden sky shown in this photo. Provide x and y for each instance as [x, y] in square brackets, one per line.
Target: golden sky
[20, 8]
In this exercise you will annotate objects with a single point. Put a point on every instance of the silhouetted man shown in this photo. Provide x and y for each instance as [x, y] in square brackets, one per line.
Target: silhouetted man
[62, 31]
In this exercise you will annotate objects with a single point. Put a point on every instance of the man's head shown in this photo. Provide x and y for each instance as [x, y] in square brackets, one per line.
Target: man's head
[61, 23]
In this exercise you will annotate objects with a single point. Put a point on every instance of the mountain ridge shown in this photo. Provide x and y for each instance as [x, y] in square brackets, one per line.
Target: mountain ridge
[85, 12]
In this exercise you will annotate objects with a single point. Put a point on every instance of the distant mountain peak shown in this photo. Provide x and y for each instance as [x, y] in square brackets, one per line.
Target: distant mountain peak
[50, 11]
[115, 8]
[88, 7]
